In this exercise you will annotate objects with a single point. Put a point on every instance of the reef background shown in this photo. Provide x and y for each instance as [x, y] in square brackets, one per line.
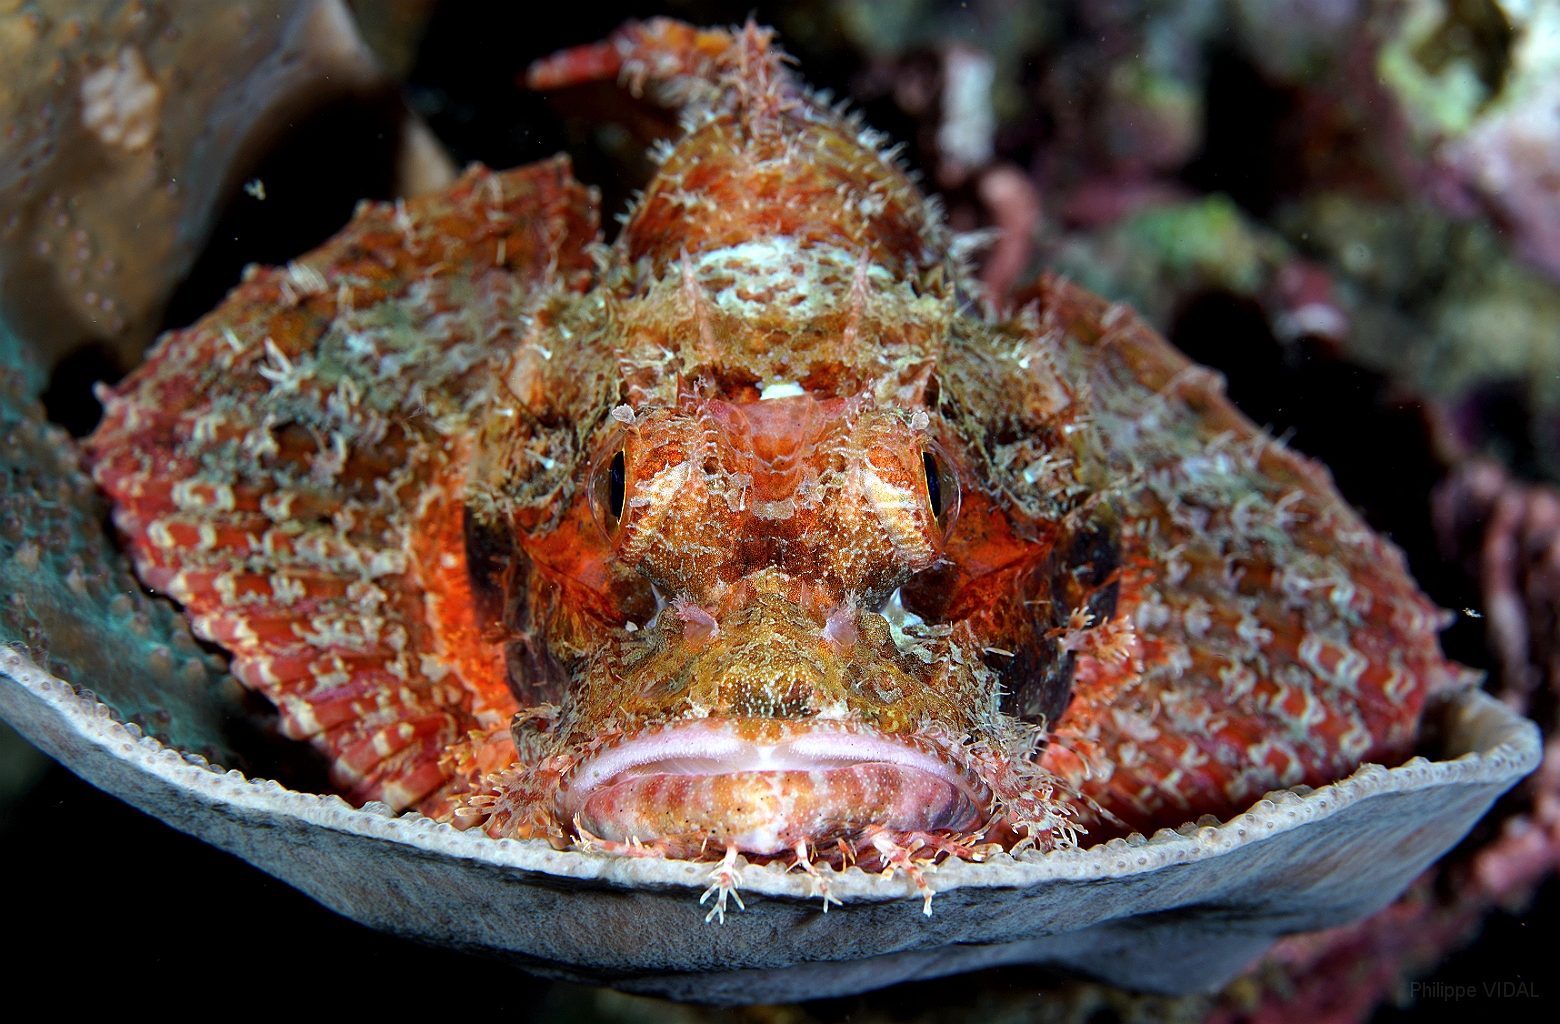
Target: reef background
[1352, 209]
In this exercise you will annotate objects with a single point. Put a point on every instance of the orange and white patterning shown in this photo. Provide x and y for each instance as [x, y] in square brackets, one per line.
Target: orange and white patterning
[756, 534]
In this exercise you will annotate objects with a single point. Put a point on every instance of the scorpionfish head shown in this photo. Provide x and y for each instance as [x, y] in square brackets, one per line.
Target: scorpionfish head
[779, 690]
[719, 612]
[702, 488]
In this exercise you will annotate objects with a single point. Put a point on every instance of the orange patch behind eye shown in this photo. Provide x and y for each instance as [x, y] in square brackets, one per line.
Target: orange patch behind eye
[439, 552]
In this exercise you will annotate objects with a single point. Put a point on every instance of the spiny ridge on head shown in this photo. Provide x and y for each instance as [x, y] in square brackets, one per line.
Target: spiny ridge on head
[759, 153]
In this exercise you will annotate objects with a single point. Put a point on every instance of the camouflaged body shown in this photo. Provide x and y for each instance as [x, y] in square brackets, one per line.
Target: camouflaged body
[376, 478]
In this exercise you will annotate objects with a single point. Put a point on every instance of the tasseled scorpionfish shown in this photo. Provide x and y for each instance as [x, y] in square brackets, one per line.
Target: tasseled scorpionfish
[757, 533]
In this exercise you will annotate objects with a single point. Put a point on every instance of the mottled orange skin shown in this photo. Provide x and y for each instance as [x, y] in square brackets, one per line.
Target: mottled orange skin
[381, 479]
[211, 467]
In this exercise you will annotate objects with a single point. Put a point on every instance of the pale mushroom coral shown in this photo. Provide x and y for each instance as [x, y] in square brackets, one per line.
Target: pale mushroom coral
[73, 607]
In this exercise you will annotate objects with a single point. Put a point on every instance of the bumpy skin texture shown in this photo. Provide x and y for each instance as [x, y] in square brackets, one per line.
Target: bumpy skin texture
[750, 533]
[290, 469]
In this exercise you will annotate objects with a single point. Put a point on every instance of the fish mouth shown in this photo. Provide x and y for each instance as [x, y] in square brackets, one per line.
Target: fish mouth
[765, 786]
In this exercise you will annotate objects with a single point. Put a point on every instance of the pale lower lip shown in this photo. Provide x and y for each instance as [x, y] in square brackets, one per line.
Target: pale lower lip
[714, 747]
[769, 812]
[694, 757]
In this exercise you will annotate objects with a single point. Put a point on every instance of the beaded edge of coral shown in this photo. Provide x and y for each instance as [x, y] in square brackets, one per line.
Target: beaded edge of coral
[1517, 754]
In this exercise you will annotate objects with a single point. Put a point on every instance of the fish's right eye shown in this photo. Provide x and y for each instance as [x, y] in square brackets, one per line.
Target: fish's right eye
[616, 472]
[608, 489]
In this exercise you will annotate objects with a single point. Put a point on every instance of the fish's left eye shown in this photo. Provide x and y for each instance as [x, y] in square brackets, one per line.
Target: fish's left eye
[942, 488]
[933, 483]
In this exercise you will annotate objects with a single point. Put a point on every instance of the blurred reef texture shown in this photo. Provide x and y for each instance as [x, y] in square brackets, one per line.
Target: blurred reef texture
[127, 125]
[1351, 207]
[1381, 176]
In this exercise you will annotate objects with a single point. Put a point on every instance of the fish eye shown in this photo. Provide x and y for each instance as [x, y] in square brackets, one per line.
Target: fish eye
[616, 473]
[608, 489]
[933, 484]
[942, 488]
